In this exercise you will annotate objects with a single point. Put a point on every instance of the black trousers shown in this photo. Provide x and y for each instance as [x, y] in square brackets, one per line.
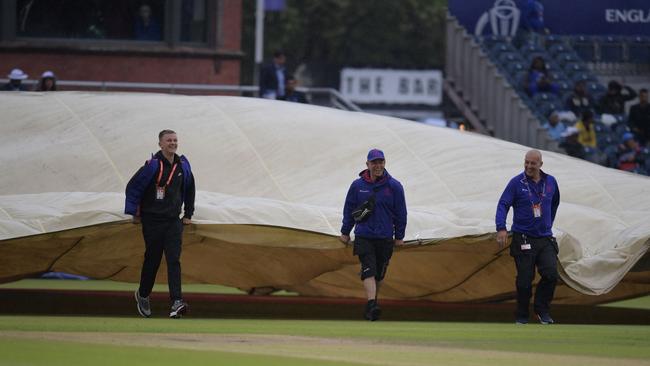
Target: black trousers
[374, 255]
[543, 255]
[162, 235]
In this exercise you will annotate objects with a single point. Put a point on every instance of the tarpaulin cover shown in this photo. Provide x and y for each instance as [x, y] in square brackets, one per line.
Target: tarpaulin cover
[271, 179]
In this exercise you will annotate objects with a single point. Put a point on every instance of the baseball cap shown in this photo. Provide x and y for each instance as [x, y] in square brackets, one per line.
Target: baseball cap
[375, 154]
[628, 136]
[48, 74]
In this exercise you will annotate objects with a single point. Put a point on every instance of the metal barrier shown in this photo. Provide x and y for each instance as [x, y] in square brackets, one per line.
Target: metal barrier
[326, 96]
[489, 95]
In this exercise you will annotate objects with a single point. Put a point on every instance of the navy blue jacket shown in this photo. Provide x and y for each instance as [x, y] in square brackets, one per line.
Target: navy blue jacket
[517, 195]
[388, 219]
[145, 177]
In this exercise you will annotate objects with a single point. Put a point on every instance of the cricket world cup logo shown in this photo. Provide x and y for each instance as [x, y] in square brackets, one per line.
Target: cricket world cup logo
[503, 19]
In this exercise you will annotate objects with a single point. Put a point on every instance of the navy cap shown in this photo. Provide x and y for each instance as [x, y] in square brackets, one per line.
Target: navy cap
[375, 154]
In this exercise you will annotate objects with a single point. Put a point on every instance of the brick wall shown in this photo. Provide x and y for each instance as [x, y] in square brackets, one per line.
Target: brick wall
[138, 66]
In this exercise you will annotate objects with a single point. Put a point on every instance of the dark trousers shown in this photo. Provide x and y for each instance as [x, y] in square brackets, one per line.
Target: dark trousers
[374, 255]
[543, 255]
[162, 235]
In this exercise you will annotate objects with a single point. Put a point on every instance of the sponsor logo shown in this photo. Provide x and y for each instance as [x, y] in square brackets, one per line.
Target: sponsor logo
[503, 19]
[627, 16]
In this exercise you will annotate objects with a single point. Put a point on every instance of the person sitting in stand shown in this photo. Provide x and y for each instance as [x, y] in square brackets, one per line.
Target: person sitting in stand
[580, 100]
[571, 145]
[587, 133]
[554, 127]
[538, 80]
[629, 154]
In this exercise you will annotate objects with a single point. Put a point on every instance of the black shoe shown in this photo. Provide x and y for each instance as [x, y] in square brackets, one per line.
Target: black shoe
[545, 318]
[373, 311]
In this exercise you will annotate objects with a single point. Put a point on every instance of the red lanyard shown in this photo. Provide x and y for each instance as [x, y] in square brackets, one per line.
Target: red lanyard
[171, 174]
[541, 195]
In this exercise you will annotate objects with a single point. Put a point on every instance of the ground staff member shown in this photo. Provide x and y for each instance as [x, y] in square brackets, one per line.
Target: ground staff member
[154, 196]
[534, 196]
[376, 208]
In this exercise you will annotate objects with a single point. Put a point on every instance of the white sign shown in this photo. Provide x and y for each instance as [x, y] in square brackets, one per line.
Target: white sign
[392, 86]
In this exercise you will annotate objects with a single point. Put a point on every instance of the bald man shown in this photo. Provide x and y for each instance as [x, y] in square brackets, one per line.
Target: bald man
[534, 197]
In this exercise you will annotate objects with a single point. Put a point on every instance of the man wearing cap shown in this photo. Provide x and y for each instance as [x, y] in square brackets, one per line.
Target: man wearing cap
[154, 196]
[534, 197]
[16, 77]
[375, 206]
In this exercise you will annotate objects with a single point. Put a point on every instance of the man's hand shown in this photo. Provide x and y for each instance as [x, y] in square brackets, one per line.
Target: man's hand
[136, 220]
[186, 221]
[399, 243]
[502, 236]
[345, 239]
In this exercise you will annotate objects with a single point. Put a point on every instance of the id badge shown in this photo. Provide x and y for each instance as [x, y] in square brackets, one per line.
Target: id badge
[160, 193]
[525, 246]
[537, 210]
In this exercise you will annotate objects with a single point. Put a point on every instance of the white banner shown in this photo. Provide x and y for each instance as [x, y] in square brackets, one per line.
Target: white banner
[392, 86]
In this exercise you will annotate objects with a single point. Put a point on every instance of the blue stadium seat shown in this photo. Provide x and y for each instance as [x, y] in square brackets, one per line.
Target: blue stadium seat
[557, 75]
[566, 58]
[583, 76]
[506, 58]
[530, 48]
[584, 47]
[489, 41]
[547, 108]
[594, 87]
[501, 48]
[611, 49]
[574, 67]
[531, 55]
[553, 40]
[542, 98]
[559, 48]
[638, 49]
[564, 86]
[515, 67]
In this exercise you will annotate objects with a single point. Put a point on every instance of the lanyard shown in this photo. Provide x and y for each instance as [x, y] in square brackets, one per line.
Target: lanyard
[530, 195]
[171, 174]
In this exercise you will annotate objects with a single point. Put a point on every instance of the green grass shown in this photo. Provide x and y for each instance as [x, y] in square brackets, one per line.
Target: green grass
[591, 340]
[53, 353]
[103, 285]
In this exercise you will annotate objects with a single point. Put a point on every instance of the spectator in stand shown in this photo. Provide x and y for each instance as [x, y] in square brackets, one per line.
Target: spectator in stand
[146, 28]
[586, 131]
[580, 100]
[571, 144]
[273, 77]
[614, 101]
[48, 82]
[554, 127]
[532, 22]
[639, 119]
[629, 154]
[291, 94]
[538, 80]
[15, 83]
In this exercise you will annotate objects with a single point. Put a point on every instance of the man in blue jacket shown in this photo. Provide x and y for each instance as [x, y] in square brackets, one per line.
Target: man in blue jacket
[381, 228]
[534, 197]
[154, 197]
